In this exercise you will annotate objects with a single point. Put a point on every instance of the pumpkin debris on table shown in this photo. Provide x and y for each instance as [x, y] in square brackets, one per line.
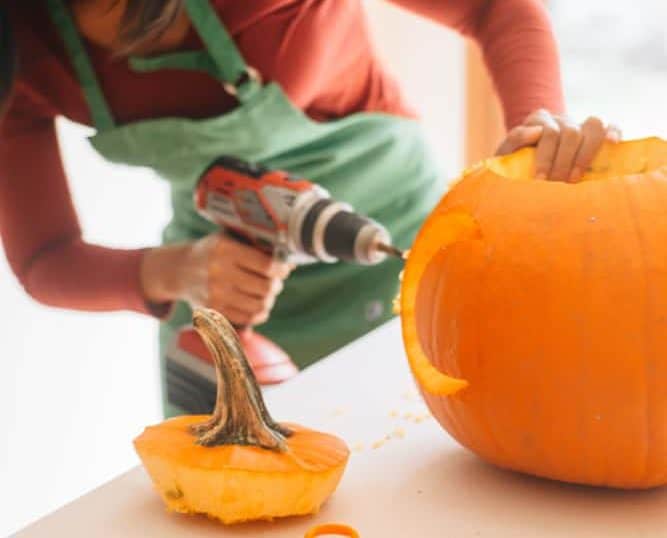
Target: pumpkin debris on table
[398, 433]
[238, 464]
[378, 444]
[332, 529]
[547, 304]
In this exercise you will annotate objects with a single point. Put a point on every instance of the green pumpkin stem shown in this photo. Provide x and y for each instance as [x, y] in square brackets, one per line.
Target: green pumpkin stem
[240, 416]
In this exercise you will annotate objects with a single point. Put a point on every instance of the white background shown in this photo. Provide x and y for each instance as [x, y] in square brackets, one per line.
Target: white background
[76, 388]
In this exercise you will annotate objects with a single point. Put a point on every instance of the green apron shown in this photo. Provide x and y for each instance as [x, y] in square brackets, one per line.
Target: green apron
[378, 163]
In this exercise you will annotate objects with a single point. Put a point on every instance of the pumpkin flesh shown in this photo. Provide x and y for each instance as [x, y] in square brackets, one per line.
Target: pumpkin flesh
[241, 483]
[238, 464]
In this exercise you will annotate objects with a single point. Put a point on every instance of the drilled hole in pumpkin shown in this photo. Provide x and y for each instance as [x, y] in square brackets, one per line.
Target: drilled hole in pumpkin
[613, 161]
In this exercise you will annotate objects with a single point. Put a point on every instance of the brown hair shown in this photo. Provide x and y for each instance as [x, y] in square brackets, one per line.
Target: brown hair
[145, 21]
[8, 59]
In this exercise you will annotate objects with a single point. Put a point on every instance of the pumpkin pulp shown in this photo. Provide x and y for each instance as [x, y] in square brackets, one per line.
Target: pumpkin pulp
[449, 229]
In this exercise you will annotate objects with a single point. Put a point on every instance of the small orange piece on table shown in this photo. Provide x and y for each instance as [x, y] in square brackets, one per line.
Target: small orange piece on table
[332, 529]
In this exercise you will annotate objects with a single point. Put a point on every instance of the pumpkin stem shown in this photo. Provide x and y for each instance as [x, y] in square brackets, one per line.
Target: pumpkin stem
[240, 416]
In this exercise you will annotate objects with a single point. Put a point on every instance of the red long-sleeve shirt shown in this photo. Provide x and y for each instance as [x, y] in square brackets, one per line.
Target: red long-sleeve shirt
[319, 52]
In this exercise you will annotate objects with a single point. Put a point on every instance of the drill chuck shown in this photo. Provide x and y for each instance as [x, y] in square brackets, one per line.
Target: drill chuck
[329, 231]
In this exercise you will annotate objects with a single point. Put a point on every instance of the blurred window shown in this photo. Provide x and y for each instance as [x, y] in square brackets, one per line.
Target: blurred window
[614, 57]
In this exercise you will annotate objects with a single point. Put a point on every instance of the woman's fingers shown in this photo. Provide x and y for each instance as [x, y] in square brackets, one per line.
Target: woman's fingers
[520, 137]
[244, 308]
[248, 288]
[256, 261]
[264, 265]
[250, 283]
[247, 296]
[547, 146]
[244, 282]
[233, 278]
[564, 150]
[593, 135]
[242, 255]
[239, 317]
[569, 142]
[230, 252]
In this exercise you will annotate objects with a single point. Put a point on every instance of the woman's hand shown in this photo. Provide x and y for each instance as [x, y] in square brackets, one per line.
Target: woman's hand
[217, 272]
[565, 149]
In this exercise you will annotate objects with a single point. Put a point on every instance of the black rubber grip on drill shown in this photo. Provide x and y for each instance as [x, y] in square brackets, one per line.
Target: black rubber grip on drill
[308, 226]
[341, 234]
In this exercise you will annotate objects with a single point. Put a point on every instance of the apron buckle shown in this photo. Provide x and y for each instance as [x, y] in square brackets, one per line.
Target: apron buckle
[250, 74]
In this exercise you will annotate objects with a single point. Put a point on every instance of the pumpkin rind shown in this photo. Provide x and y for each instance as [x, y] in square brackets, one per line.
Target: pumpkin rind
[238, 464]
[556, 315]
[240, 483]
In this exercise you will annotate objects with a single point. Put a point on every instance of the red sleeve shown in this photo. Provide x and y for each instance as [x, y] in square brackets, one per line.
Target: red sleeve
[518, 45]
[39, 226]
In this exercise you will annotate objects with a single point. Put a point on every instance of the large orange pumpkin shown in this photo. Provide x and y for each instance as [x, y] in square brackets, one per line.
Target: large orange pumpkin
[547, 304]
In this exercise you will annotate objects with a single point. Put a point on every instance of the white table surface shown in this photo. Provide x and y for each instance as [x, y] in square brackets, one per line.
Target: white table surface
[421, 485]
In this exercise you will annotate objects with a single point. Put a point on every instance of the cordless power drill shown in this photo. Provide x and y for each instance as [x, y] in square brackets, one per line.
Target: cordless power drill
[293, 219]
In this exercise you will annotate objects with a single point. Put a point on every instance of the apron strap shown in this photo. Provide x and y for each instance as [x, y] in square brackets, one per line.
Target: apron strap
[196, 60]
[99, 109]
[239, 79]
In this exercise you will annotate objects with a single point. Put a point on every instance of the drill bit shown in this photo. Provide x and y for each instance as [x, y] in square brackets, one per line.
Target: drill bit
[390, 250]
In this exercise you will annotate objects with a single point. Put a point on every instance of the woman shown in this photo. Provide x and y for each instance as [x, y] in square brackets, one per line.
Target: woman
[168, 85]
